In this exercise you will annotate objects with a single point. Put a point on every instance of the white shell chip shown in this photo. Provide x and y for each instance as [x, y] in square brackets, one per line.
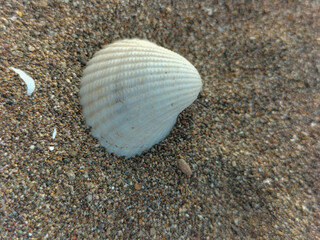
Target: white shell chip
[132, 92]
[26, 78]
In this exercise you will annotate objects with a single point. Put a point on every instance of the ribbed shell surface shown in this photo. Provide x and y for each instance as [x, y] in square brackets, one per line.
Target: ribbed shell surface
[132, 92]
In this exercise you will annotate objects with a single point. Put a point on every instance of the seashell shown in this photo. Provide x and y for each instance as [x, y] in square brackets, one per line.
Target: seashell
[132, 92]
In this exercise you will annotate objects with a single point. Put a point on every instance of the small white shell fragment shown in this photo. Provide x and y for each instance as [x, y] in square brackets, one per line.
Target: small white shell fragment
[132, 92]
[54, 133]
[51, 148]
[26, 78]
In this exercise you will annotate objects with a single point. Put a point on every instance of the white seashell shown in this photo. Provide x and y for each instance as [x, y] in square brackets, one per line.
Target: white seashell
[132, 92]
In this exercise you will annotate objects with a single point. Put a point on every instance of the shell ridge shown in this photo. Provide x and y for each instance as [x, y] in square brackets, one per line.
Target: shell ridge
[155, 78]
[113, 102]
[133, 99]
[124, 47]
[113, 71]
[136, 53]
[117, 61]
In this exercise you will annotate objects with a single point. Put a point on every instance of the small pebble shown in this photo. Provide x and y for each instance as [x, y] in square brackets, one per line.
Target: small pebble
[152, 231]
[39, 147]
[137, 186]
[237, 123]
[89, 198]
[63, 64]
[19, 13]
[184, 167]
[73, 153]
[236, 221]
[71, 175]
[169, 9]
[31, 48]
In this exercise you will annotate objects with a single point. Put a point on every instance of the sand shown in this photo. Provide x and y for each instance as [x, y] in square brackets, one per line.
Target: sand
[251, 138]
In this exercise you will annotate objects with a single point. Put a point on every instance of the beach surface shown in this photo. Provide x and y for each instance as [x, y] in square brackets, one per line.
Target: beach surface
[252, 137]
